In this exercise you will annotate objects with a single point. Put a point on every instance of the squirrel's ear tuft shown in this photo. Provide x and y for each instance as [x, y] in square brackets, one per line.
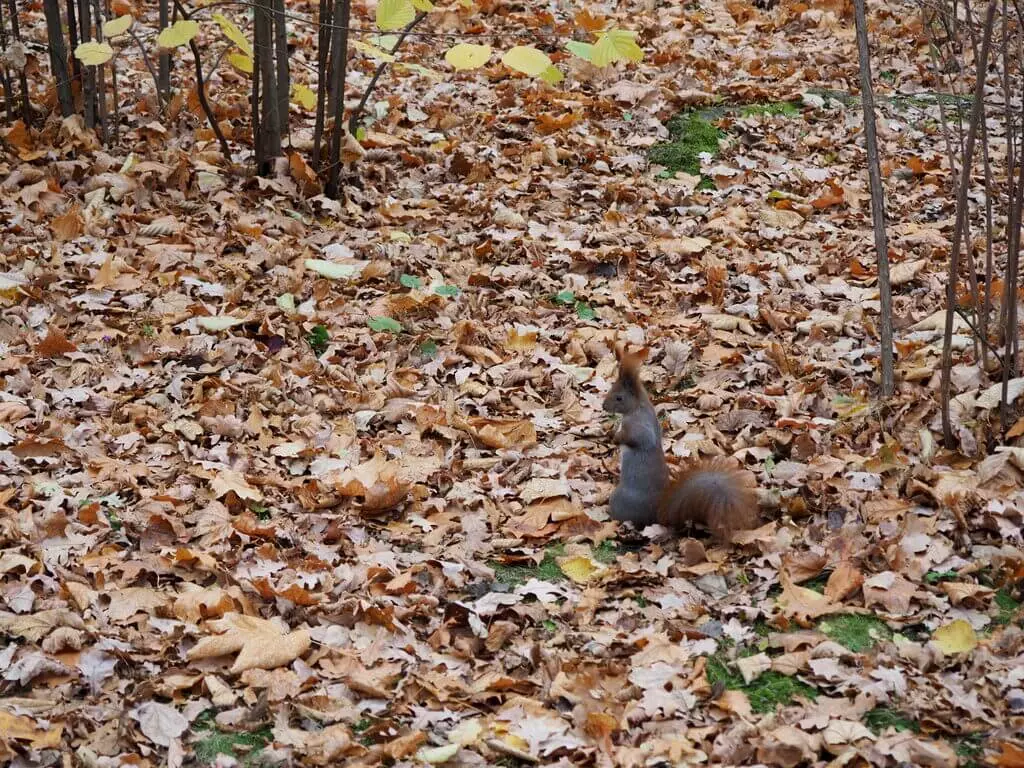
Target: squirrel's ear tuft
[630, 362]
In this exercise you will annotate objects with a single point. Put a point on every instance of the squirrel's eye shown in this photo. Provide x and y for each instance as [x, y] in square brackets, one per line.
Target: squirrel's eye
[618, 398]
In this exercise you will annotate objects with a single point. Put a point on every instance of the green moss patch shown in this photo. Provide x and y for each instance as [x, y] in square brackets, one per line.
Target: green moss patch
[691, 136]
[606, 552]
[880, 719]
[766, 692]
[1007, 606]
[693, 133]
[854, 631]
[212, 741]
[547, 570]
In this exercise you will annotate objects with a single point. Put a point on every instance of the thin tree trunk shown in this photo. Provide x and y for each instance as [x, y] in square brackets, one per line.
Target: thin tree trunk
[101, 76]
[58, 57]
[336, 104]
[322, 52]
[76, 66]
[5, 75]
[26, 104]
[88, 73]
[164, 64]
[977, 108]
[270, 119]
[283, 77]
[877, 198]
[113, 87]
[257, 65]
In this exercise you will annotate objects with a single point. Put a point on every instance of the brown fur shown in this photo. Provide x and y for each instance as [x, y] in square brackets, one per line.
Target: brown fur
[713, 492]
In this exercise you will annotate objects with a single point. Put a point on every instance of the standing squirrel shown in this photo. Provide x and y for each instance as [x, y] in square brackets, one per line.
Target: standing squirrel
[712, 492]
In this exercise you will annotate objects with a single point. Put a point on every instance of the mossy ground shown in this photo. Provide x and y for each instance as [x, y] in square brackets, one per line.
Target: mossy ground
[880, 719]
[692, 136]
[212, 741]
[765, 693]
[854, 631]
[694, 133]
[547, 570]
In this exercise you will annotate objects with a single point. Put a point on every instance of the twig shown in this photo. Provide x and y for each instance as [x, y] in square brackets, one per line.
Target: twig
[353, 121]
[877, 198]
[958, 228]
[201, 89]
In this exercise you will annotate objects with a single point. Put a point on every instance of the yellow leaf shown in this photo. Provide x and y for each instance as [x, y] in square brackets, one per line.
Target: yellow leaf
[467, 55]
[552, 75]
[615, 45]
[526, 59]
[579, 568]
[371, 50]
[233, 33]
[241, 61]
[425, 6]
[117, 26]
[93, 54]
[956, 637]
[419, 69]
[303, 96]
[394, 14]
[437, 755]
[179, 33]
[219, 322]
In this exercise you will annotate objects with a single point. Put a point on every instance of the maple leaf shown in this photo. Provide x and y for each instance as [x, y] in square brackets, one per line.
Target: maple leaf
[260, 644]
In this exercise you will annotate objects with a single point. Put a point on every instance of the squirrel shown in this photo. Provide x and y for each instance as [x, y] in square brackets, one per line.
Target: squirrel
[713, 491]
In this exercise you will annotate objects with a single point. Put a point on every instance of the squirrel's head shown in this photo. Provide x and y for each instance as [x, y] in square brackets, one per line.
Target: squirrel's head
[627, 393]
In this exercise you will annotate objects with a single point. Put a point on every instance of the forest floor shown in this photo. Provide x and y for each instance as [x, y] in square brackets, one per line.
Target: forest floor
[289, 478]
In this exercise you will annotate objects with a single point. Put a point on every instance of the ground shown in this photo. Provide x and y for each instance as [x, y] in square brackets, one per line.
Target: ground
[287, 478]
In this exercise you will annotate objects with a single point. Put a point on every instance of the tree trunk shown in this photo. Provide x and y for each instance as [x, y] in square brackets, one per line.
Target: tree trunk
[270, 118]
[283, 77]
[164, 67]
[58, 57]
[336, 104]
[867, 96]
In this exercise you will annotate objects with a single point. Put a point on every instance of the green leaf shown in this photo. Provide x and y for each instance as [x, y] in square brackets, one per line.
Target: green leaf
[428, 348]
[467, 56]
[394, 14]
[410, 281]
[552, 75]
[423, 6]
[93, 54]
[179, 33]
[616, 45]
[386, 42]
[233, 33]
[286, 302]
[526, 59]
[384, 325]
[447, 290]
[565, 298]
[304, 96]
[117, 26]
[584, 311]
[583, 50]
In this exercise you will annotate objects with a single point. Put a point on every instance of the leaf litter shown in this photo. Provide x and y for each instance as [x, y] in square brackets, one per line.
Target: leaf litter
[285, 478]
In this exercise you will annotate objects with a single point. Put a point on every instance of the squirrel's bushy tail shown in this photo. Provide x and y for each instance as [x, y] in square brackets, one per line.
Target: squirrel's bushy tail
[714, 492]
